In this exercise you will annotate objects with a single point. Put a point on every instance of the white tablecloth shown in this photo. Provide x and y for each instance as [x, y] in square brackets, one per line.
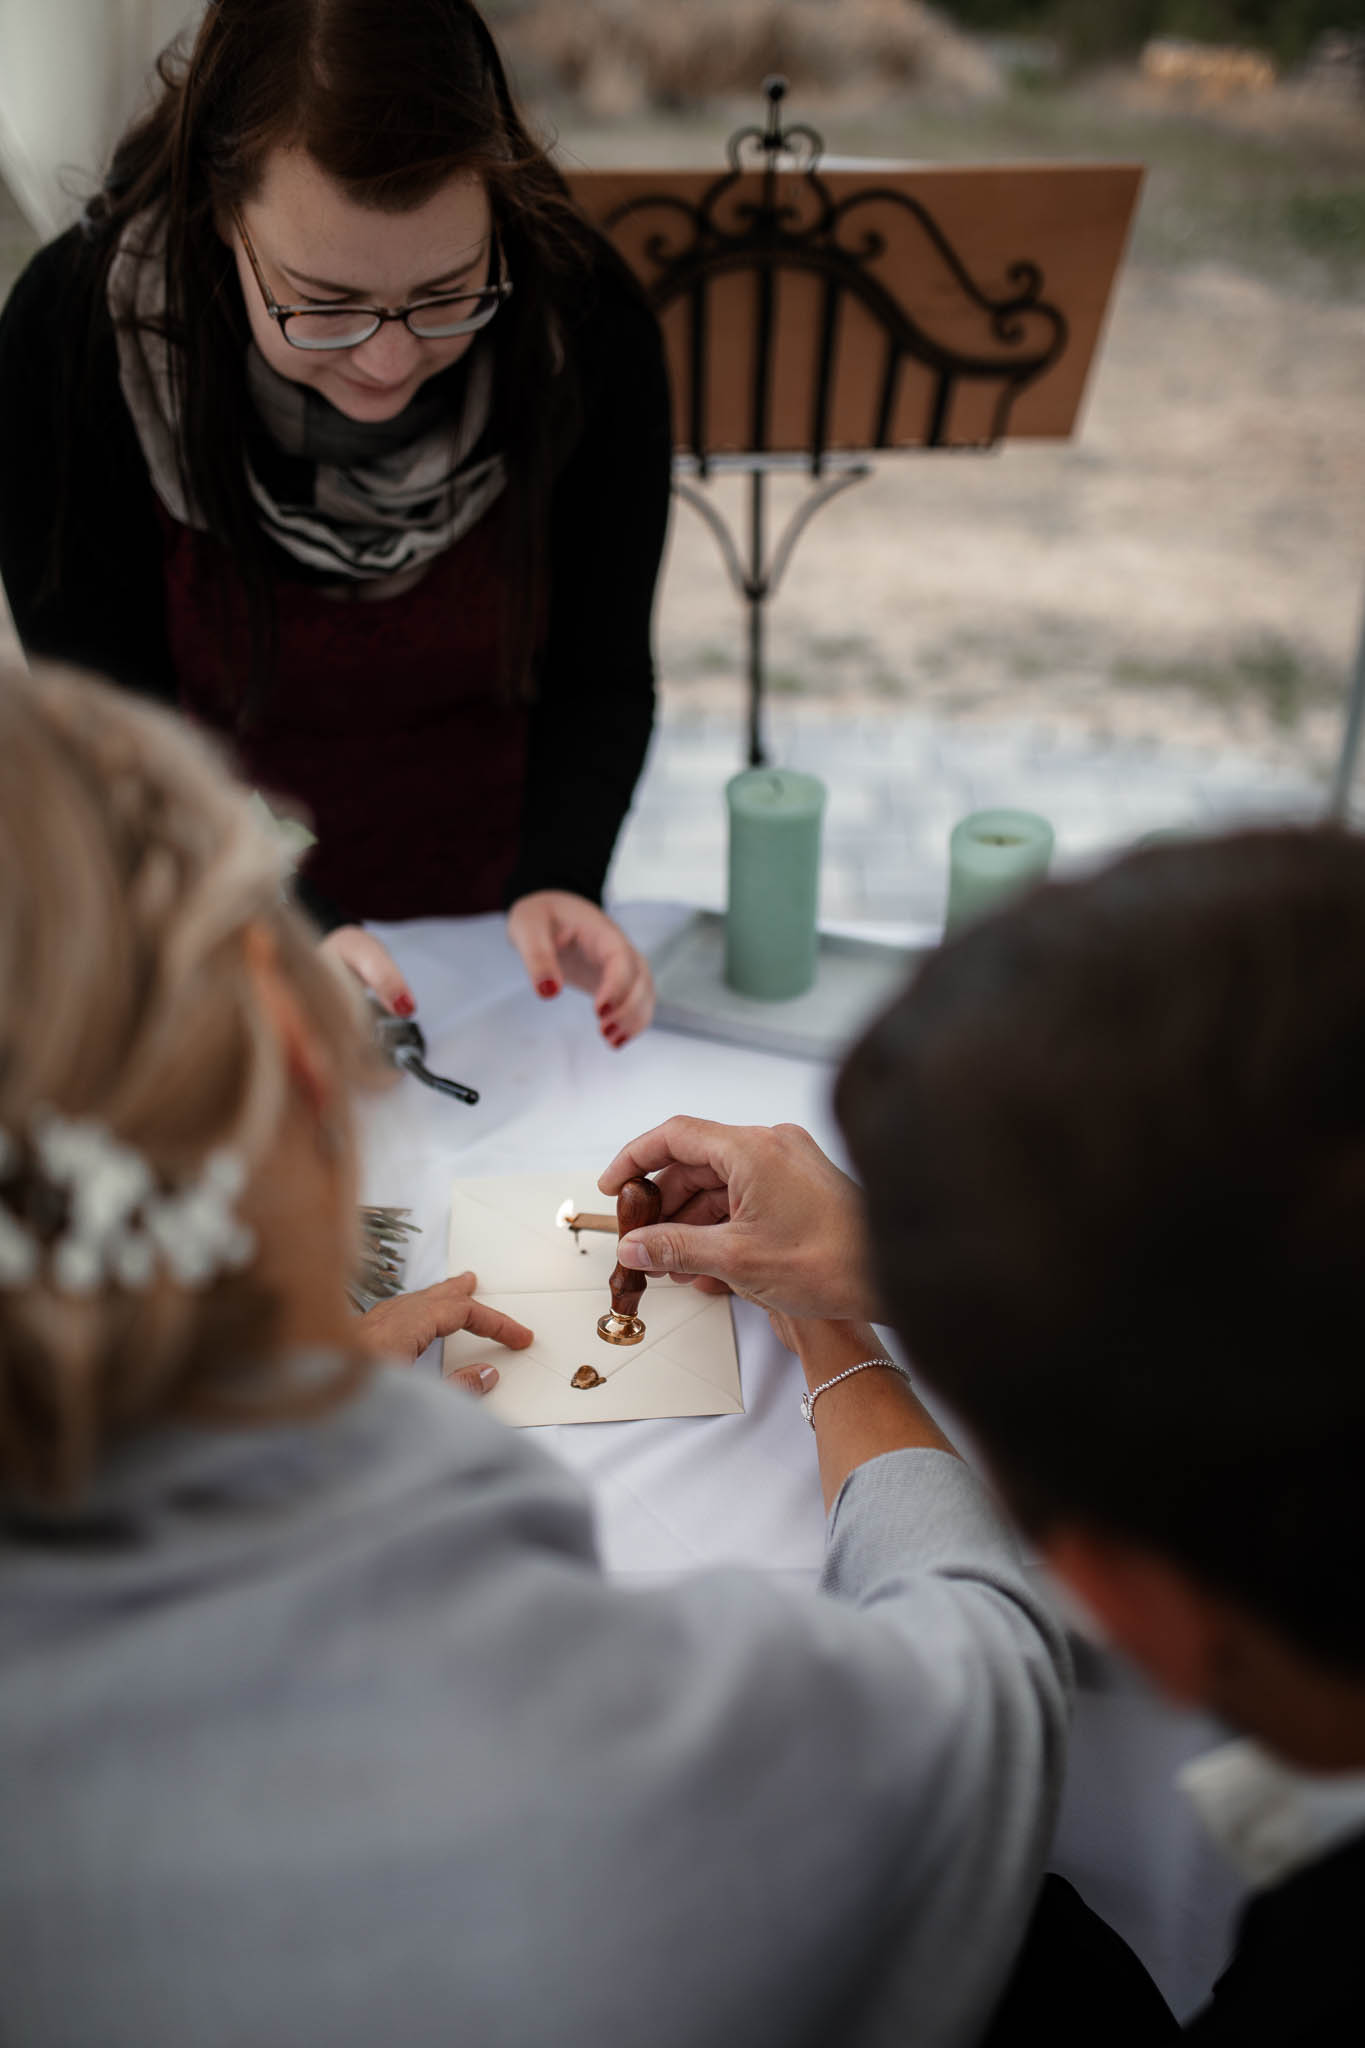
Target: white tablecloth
[743, 1489]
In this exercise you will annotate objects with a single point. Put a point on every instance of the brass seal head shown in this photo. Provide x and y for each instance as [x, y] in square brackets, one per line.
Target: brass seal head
[614, 1329]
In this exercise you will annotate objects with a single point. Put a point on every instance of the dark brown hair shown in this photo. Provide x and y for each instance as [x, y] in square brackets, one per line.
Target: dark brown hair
[390, 98]
[1113, 1141]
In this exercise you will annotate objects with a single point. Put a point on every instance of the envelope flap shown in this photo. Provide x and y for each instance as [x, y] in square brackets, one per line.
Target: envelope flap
[504, 1230]
[685, 1364]
[566, 1335]
[704, 1346]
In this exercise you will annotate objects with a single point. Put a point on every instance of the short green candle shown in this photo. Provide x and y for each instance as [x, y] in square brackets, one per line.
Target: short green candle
[992, 855]
[774, 893]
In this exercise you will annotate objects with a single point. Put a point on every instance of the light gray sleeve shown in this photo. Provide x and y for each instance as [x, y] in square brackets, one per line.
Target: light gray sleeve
[916, 1544]
[840, 1802]
[394, 1761]
[740, 1810]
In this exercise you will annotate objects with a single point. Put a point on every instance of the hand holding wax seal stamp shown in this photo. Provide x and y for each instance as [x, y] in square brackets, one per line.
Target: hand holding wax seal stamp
[637, 1207]
[547, 1261]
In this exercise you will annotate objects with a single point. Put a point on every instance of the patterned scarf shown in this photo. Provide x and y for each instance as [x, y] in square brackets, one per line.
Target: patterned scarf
[363, 501]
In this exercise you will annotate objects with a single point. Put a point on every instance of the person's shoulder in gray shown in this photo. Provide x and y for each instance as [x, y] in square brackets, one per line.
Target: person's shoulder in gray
[322, 1732]
[319, 1721]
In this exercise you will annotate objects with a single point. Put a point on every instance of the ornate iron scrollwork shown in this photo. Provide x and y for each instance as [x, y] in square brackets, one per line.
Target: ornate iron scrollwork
[798, 225]
[795, 224]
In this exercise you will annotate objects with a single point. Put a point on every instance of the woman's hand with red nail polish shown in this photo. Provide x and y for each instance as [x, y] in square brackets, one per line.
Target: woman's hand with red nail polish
[564, 940]
[373, 965]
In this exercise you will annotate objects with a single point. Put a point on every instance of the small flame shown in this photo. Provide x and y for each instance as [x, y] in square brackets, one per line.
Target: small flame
[565, 1213]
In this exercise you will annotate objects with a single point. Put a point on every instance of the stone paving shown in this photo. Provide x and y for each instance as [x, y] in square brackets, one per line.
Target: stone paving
[899, 779]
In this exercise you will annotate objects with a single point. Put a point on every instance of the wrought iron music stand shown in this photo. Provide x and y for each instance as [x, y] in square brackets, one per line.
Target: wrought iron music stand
[807, 250]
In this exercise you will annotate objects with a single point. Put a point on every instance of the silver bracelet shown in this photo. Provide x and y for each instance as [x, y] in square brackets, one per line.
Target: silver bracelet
[809, 1399]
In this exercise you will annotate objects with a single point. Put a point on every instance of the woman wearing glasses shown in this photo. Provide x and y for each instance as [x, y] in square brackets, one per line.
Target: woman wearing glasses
[336, 426]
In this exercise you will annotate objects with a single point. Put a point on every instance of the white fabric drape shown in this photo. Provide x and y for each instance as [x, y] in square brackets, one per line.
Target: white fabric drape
[72, 73]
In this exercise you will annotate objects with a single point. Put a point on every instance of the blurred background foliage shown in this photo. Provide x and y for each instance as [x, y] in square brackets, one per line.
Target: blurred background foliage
[1249, 114]
[1088, 30]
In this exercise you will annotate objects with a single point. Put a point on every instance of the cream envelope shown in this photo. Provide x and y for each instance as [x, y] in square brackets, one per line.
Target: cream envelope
[504, 1230]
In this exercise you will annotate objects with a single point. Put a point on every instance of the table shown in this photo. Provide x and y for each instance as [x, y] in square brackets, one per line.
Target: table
[673, 1496]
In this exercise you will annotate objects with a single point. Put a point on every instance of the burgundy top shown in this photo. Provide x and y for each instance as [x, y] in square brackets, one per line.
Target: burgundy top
[385, 719]
[388, 721]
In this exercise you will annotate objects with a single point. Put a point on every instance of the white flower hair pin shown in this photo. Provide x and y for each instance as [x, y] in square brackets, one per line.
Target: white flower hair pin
[110, 1222]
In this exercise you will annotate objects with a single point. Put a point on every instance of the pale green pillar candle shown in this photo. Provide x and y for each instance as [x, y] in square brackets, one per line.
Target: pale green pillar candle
[774, 896]
[992, 855]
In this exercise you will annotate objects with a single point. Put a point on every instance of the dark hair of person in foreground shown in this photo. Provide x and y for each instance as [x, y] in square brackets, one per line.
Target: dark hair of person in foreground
[1113, 1142]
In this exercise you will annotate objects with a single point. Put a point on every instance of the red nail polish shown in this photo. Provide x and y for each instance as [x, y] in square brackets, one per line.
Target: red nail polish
[404, 1006]
[547, 988]
[617, 1038]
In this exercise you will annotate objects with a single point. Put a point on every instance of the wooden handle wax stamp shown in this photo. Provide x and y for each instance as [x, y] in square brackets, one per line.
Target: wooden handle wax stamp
[637, 1206]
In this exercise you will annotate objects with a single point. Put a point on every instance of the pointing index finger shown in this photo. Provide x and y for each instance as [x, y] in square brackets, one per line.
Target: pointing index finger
[502, 1329]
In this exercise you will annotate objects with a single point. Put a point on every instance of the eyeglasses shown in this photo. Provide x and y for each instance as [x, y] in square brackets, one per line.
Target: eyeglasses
[435, 319]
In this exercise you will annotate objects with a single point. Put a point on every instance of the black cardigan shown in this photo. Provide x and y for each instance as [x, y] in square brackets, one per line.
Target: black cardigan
[591, 720]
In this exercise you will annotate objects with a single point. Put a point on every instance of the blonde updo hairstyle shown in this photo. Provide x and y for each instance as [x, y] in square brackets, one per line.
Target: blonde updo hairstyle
[131, 864]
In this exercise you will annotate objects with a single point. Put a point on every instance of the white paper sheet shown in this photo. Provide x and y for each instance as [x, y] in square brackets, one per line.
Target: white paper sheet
[556, 1282]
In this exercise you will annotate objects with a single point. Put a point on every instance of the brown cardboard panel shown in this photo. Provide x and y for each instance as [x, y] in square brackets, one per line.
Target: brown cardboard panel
[1069, 220]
